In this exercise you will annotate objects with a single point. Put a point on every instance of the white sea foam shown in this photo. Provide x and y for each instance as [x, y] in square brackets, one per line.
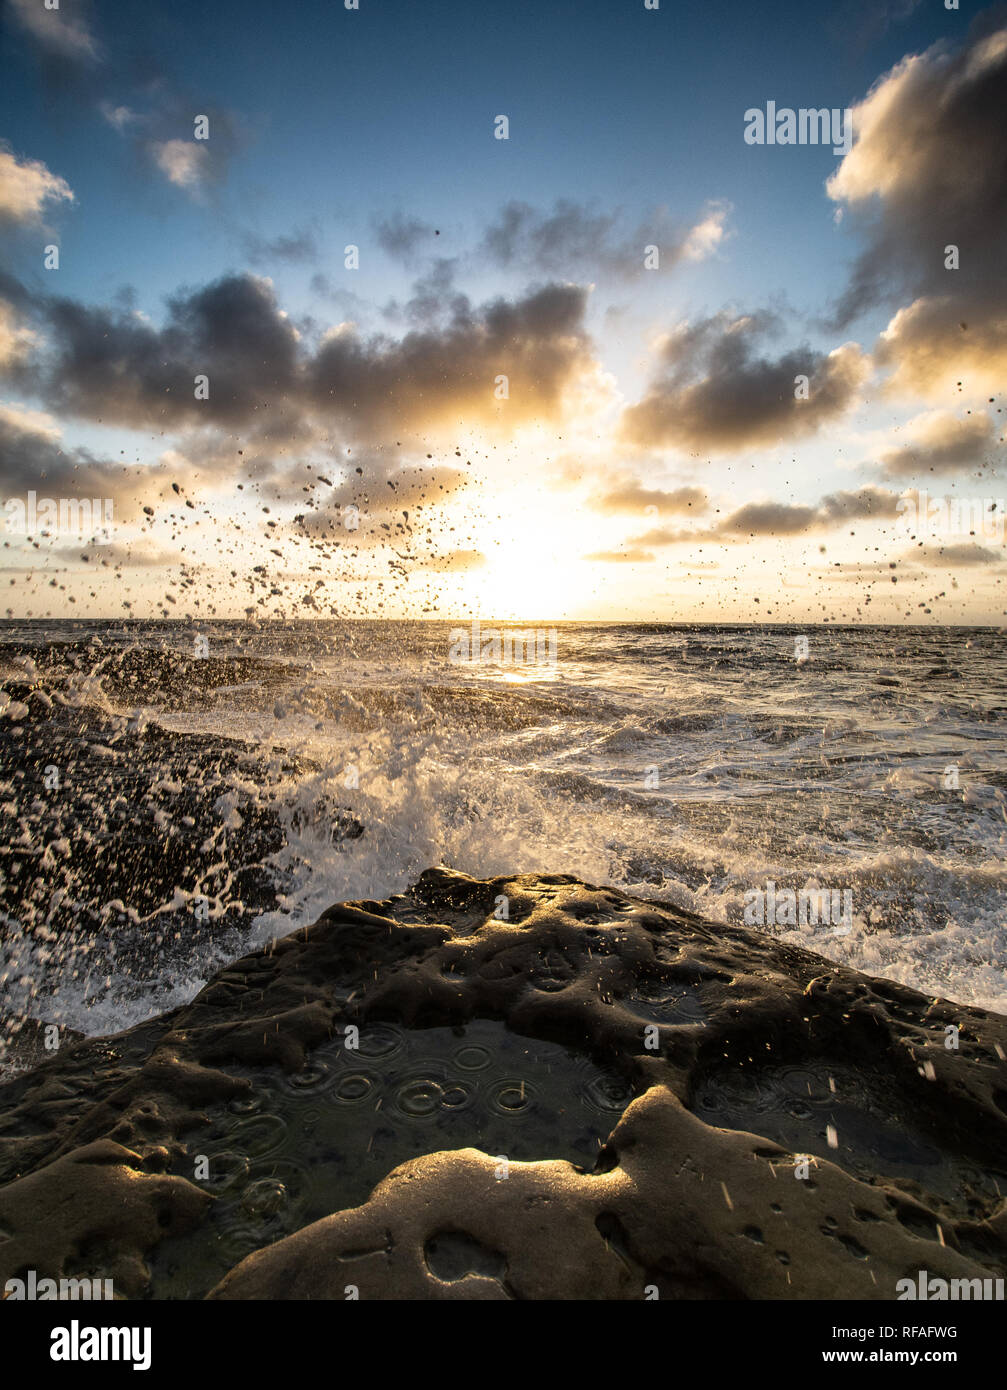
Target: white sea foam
[765, 770]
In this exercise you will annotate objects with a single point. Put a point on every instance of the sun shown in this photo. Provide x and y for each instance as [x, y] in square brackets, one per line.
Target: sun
[535, 572]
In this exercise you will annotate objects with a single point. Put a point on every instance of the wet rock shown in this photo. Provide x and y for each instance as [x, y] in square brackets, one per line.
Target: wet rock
[771, 1125]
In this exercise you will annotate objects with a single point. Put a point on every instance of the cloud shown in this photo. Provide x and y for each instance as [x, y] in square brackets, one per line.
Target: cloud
[941, 443]
[863, 504]
[770, 518]
[371, 500]
[401, 237]
[633, 497]
[931, 350]
[17, 341]
[118, 117]
[108, 363]
[141, 554]
[575, 238]
[781, 519]
[434, 298]
[33, 459]
[350, 305]
[524, 236]
[194, 165]
[665, 535]
[182, 162]
[928, 171]
[572, 241]
[946, 556]
[26, 186]
[60, 33]
[432, 377]
[713, 392]
[22, 419]
[294, 248]
[621, 557]
[707, 235]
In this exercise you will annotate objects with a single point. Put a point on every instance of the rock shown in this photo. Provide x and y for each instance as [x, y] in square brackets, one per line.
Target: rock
[794, 1129]
[94, 1199]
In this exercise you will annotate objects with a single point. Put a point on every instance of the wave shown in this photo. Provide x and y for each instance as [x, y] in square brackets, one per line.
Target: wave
[282, 773]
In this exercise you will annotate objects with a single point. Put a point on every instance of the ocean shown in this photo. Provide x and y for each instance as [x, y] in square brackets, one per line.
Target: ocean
[176, 794]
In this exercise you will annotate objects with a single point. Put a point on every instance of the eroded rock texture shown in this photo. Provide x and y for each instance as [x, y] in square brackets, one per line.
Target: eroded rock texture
[744, 1065]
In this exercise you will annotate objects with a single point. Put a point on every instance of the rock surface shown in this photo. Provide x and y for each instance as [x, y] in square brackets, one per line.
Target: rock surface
[794, 1129]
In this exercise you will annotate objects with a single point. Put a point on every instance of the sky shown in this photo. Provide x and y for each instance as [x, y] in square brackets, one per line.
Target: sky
[503, 311]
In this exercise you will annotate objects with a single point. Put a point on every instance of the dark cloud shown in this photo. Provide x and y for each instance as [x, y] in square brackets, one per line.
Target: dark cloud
[434, 298]
[943, 444]
[782, 519]
[572, 241]
[13, 293]
[946, 556]
[32, 459]
[524, 236]
[402, 237]
[433, 377]
[574, 238]
[294, 248]
[714, 392]
[350, 305]
[769, 518]
[110, 364]
[929, 170]
[863, 504]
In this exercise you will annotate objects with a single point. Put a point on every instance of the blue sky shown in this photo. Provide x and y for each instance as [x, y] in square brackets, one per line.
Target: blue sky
[347, 113]
[329, 125]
